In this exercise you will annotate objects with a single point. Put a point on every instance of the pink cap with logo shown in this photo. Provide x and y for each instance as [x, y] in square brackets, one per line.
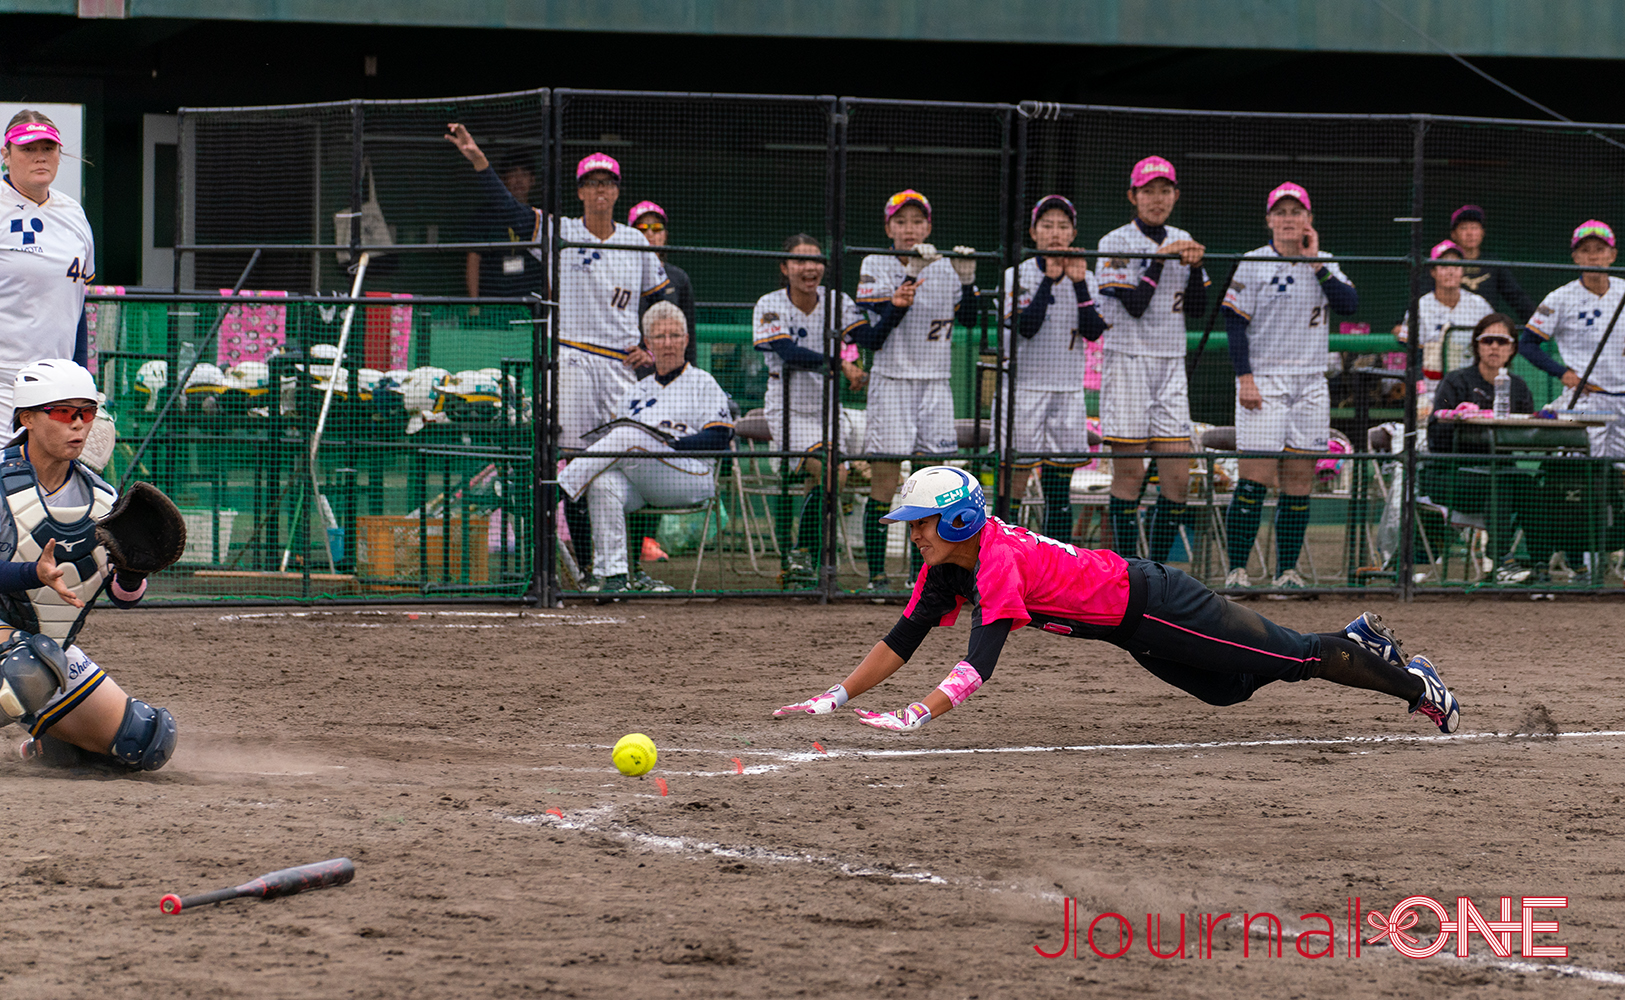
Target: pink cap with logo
[23, 133]
[1444, 247]
[1589, 228]
[905, 196]
[597, 161]
[1288, 190]
[643, 208]
[1149, 169]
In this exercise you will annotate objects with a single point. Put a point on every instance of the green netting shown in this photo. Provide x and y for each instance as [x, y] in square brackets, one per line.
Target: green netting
[443, 443]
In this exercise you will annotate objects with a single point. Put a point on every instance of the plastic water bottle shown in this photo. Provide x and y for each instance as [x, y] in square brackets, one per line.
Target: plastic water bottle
[1503, 394]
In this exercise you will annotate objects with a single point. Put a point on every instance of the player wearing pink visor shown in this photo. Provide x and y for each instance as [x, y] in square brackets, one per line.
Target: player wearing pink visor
[51, 256]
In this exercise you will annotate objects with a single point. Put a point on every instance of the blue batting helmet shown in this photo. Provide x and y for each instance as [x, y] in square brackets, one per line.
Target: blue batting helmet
[945, 490]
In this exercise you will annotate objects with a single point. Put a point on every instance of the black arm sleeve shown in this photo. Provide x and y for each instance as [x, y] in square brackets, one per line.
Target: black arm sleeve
[1532, 347]
[1513, 294]
[709, 439]
[18, 576]
[1137, 299]
[1032, 317]
[1196, 293]
[797, 356]
[1235, 326]
[1341, 296]
[904, 638]
[965, 311]
[887, 316]
[81, 341]
[506, 212]
[1090, 323]
[986, 642]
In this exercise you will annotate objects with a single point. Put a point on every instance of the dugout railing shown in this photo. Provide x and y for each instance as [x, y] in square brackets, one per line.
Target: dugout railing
[312, 187]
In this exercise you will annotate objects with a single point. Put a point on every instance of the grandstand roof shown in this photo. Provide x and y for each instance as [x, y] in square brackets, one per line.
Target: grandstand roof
[1574, 28]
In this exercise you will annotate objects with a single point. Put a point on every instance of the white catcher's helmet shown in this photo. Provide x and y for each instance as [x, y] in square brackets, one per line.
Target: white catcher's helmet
[51, 381]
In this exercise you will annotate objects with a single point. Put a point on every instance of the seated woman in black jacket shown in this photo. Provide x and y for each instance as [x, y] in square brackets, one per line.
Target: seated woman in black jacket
[1466, 489]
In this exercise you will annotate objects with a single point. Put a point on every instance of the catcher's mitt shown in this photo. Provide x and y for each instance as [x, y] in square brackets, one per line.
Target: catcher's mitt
[144, 532]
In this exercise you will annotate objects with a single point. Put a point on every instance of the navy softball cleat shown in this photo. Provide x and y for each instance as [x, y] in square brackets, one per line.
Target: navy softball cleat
[1437, 703]
[1369, 631]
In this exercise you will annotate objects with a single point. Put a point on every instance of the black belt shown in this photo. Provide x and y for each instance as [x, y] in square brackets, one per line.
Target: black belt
[1135, 610]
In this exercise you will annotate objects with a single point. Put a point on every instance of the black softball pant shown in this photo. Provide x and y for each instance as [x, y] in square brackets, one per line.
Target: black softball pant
[1213, 648]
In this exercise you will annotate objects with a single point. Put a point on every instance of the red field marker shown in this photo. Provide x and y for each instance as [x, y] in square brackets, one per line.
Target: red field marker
[739, 766]
[661, 784]
[556, 812]
[819, 747]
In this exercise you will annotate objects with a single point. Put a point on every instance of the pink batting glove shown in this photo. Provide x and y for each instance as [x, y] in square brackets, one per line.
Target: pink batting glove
[818, 704]
[902, 721]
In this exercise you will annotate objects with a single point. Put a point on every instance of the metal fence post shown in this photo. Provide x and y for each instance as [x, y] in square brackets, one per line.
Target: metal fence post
[829, 556]
[1004, 380]
[1413, 366]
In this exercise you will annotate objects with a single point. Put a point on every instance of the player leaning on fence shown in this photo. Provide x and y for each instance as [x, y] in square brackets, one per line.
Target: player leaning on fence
[912, 302]
[1277, 314]
[1144, 398]
[1052, 317]
[1575, 317]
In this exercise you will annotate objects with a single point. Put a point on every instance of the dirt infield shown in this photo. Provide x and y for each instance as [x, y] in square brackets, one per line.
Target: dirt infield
[462, 760]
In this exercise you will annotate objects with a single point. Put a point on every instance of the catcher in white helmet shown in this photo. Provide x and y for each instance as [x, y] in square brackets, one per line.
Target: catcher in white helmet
[1175, 627]
[56, 535]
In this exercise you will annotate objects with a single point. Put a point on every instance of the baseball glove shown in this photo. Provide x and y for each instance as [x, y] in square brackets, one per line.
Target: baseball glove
[143, 533]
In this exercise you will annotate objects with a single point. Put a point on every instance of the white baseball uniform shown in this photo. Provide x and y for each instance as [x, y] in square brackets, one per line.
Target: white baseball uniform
[775, 320]
[686, 404]
[1144, 395]
[1574, 318]
[49, 259]
[1446, 333]
[600, 294]
[1288, 333]
[911, 400]
[1051, 412]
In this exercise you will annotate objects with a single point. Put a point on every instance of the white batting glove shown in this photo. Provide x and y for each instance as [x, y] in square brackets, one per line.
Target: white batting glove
[965, 267]
[904, 720]
[818, 704]
[927, 255]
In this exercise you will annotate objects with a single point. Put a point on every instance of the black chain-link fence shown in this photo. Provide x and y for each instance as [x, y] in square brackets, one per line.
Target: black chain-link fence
[635, 337]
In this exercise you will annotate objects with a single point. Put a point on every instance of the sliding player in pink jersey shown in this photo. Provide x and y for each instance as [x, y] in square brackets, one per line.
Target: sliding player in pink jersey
[1194, 639]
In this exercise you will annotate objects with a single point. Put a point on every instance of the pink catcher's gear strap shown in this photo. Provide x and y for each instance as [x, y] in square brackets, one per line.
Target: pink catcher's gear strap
[961, 682]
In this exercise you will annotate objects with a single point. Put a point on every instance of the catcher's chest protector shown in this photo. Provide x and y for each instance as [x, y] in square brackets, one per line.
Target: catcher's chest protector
[83, 560]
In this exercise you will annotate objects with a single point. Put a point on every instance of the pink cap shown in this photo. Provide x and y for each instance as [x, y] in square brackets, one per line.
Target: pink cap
[598, 161]
[1591, 227]
[1444, 246]
[902, 198]
[1149, 169]
[643, 208]
[23, 133]
[1288, 190]
[1050, 201]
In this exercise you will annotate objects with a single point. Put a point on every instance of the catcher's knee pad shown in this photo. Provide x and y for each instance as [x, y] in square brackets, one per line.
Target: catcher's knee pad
[146, 738]
[33, 669]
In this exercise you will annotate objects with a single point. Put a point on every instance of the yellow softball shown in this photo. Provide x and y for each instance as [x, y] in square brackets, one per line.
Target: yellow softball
[635, 754]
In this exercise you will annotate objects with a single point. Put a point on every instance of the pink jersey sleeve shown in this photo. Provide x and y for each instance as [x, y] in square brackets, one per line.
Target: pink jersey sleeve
[1000, 585]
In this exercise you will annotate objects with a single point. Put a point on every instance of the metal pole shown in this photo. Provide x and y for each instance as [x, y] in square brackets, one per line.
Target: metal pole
[1413, 366]
[1004, 385]
[323, 509]
[829, 557]
[544, 415]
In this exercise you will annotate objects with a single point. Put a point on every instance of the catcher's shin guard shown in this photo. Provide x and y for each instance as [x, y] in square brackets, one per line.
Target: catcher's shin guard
[146, 738]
